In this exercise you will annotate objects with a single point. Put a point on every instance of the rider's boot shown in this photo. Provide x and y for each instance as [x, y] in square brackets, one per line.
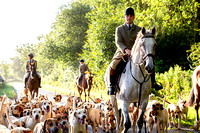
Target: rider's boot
[154, 84]
[39, 83]
[111, 88]
[25, 81]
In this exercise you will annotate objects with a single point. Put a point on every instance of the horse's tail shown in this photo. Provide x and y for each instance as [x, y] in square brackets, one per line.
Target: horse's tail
[190, 98]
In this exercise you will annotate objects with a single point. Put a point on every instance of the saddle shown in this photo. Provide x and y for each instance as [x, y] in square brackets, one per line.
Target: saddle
[119, 70]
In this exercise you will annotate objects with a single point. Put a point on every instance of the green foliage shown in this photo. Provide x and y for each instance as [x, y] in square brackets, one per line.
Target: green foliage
[176, 24]
[100, 46]
[6, 89]
[194, 55]
[176, 82]
[65, 41]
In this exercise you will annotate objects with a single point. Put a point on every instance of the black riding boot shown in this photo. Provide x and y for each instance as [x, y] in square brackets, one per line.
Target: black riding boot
[39, 83]
[111, 89]
[154, 84]
[25, 81]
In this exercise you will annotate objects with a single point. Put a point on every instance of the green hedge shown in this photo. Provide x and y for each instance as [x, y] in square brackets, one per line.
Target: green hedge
[176, 82]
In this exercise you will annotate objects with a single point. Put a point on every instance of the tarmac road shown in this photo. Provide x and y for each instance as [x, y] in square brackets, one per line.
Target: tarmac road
[18, 87]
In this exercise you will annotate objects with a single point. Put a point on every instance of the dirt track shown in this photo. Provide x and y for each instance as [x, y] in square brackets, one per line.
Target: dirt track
[19, 87]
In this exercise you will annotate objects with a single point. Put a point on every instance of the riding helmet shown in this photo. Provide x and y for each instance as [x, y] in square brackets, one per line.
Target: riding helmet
[129, 11]
[31, 55]
[81, 60]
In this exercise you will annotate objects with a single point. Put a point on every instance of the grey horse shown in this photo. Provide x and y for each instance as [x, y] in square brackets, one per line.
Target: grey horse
[135, 82]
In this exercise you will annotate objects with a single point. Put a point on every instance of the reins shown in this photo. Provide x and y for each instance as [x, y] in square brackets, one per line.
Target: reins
[147, 77]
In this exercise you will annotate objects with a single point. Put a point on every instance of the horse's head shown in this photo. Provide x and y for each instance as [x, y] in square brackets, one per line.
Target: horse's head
[147, 47]
[32, 69]
[88, 77]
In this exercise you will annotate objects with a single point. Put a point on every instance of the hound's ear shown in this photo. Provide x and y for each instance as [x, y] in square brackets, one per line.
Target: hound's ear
[153, 31]
[47, 97]
[30, 114]
[44, 126]
[150, 115]
[161, 107]
[40, 104]
[143, 30]
[42, 112]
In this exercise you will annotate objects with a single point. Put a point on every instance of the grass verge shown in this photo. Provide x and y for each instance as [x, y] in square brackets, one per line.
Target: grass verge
[7, 89]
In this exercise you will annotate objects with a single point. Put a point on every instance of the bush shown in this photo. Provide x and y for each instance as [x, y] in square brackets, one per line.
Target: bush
[176, 82]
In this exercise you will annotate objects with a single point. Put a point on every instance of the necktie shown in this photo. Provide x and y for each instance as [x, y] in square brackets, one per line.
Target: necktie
[129, 27]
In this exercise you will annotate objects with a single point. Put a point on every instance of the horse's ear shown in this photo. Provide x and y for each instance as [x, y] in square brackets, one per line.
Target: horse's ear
[153, 31]
[143, 30]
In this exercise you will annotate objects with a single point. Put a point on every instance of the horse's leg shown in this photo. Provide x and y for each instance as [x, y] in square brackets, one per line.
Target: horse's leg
[127, 121]
[37, 92]
[88, 94]
[85, 94]
[141, 114]
[113, 100]
[79, 91]
[33, 93]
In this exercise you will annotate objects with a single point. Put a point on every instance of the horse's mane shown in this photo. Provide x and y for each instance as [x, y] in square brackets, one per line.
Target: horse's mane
[138, 38]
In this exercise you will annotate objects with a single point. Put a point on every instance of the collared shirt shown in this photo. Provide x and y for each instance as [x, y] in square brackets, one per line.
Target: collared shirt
[128, 25]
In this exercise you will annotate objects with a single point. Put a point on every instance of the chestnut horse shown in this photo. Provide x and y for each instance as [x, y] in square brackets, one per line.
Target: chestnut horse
[194, 97]
[85, 83]
[33, 82]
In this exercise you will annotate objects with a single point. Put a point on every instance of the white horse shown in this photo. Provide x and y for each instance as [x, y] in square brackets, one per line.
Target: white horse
[135, 82]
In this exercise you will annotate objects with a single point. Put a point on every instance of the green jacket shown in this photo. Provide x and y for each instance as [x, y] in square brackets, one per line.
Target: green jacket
[125, 38]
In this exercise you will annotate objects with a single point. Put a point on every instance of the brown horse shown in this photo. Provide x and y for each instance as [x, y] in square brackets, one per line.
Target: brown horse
[85, 83]
[194, 97]
[33, 82]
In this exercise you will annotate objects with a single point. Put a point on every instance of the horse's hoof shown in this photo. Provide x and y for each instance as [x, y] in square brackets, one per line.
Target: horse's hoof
[196, 127]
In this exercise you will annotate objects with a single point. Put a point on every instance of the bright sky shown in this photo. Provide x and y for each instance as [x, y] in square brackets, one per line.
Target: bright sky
[22, 21]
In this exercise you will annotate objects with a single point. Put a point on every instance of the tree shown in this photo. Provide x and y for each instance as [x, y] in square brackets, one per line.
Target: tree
[65, 41]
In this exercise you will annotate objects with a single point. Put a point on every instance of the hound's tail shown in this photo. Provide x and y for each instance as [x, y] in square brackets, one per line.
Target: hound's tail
[2, 107]
[8, 118]
[74, 103]
[190, 100]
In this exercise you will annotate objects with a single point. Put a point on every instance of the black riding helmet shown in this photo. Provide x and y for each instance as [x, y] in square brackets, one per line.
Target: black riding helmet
[81, 60]
[31, 55]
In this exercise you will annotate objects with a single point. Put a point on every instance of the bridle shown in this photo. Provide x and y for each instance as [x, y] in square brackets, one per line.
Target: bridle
[145, 78]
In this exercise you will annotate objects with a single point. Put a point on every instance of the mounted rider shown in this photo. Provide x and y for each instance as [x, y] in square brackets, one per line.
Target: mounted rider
[26, 76]
[125, 36]
[82, 69]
